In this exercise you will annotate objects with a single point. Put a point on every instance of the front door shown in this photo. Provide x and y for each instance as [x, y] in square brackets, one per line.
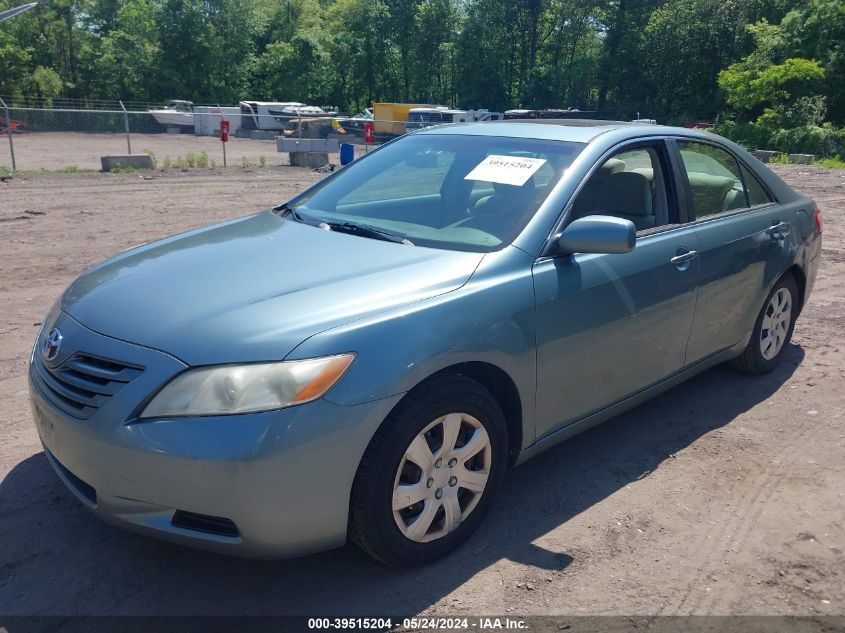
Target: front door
[609, 326]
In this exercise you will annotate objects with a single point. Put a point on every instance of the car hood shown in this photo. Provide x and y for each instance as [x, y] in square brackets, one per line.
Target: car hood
[254, 288]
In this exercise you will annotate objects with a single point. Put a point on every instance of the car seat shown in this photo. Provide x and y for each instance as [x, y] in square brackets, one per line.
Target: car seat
[623, 194]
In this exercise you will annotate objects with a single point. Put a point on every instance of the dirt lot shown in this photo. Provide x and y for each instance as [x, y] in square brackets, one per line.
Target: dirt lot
[725, 495]
[63, 150]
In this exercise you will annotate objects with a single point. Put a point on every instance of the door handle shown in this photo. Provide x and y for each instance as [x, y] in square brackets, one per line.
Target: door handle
[683, 258]
[777, 230]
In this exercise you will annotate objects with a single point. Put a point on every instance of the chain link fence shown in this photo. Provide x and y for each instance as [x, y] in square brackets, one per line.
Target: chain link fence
[74, 136]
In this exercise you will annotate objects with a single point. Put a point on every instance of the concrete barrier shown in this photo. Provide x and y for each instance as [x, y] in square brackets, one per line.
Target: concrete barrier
[309, 159]
[135, 161]
[764, 155]
[801, 159]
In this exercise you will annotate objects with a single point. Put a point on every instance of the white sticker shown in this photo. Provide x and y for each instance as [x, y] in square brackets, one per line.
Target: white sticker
[507, 170]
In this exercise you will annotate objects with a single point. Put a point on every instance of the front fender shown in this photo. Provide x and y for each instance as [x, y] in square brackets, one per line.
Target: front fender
[490, 320]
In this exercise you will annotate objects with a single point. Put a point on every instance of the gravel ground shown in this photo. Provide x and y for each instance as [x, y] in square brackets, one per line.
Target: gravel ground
[722, 496]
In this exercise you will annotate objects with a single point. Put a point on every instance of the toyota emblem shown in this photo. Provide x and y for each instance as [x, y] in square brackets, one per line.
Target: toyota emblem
[52, 345]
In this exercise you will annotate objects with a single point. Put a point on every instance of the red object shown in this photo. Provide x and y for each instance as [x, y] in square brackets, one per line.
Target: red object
[817, 216]
[224, 130]
[15, 124]
[368, 132]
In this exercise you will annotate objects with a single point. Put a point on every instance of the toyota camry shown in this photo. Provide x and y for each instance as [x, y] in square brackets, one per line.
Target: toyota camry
[366, 361]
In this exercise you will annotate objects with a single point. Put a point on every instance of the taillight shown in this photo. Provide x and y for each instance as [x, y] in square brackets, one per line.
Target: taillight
[817, 216]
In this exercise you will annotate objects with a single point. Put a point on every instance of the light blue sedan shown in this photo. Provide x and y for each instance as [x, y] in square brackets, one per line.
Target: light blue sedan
[367, 361]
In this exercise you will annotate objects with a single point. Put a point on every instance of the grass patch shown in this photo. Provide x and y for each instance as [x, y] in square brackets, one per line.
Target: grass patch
[262, 161]
[831, 163]
[780, 159]
[191, 160]
[125, 169]
[246, 163]
[5, 172]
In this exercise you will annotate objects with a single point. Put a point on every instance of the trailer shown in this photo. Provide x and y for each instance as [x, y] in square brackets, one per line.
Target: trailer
[207, 119]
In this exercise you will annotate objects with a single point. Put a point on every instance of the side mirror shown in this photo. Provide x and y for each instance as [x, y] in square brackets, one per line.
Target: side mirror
[598, 234]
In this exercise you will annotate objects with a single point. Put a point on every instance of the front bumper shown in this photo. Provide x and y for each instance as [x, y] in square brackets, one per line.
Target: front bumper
[283, 478]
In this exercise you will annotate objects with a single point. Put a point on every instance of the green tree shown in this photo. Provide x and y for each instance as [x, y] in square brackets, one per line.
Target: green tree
[752, 90]
[128, 52]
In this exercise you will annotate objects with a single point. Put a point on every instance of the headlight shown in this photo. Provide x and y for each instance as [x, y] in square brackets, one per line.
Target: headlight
[228, 389]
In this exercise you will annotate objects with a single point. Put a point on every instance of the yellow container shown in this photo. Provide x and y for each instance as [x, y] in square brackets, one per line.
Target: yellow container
[390, 118]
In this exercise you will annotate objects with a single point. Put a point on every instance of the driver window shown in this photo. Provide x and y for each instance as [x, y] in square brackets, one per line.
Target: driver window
[629, 185]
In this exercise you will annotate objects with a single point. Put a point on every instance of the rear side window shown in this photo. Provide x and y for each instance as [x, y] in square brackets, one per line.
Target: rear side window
[714, 179]
[757, 194]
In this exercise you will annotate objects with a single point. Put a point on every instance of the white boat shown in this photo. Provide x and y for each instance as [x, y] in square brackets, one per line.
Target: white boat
[176, 113]
[274, 115]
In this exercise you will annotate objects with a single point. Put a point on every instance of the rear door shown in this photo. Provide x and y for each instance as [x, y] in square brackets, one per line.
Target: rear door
[609, 326]
[744, 238]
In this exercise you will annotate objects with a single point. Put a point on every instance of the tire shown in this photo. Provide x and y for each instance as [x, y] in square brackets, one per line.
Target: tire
[758, 357]
[390, 461]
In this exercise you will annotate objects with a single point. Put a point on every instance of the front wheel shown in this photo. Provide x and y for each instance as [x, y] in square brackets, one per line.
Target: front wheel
[773, 329]
[430, 473]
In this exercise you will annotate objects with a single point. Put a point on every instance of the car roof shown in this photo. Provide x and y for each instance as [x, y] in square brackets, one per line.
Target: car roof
[573, 130]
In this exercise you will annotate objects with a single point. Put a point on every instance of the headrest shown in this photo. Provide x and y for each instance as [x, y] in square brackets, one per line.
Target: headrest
[628, 193]
[612, 166]
[720, 185]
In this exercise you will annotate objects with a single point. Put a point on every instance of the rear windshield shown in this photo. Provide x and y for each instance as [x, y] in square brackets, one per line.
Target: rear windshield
[473, 193]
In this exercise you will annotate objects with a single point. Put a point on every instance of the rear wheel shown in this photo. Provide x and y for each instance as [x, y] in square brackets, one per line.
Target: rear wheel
[773, 329]
[430, 473]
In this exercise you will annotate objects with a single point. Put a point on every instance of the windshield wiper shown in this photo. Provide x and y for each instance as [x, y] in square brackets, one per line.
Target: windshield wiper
[342, 227]
[368, 231]
[285, 210]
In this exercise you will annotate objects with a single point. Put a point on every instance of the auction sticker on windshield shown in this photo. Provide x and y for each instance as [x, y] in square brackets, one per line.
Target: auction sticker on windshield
[507, 170]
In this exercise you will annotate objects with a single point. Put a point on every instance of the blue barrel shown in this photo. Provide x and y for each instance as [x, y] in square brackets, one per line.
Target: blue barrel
[347, 153]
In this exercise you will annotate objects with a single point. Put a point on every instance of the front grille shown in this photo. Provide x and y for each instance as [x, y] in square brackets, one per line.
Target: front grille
[83, 383]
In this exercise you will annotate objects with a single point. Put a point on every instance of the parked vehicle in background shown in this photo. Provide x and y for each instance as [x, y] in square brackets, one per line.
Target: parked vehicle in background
[569, 113]
[390, 119]
[369, 359]
[700, 125]
[314, 127]
[207, 119]
[177, 113]
[274, 115]
[355, 124]
[425, 117]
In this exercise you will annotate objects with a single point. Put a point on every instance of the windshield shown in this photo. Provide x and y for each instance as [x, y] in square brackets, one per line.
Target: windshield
[472, 193]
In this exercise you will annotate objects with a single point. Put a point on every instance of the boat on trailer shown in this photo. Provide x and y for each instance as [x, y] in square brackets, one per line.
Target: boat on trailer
[177, 113]
[274, 115]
